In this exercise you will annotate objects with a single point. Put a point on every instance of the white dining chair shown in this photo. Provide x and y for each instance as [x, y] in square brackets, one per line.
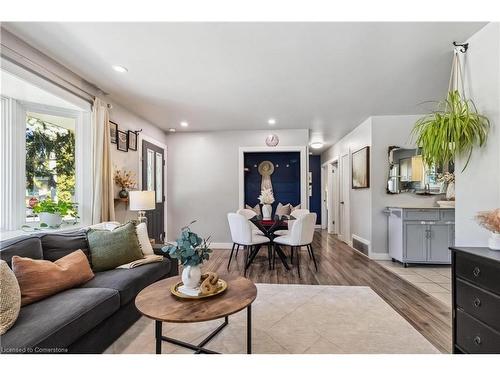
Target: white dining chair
[249, 214]
[301, 234]
[296, 214]
[241, 234]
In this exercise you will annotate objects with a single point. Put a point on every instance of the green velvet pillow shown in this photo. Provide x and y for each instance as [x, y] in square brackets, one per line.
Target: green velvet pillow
[110, 249]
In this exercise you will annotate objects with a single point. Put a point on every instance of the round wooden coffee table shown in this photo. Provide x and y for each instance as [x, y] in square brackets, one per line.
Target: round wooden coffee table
[156, 302]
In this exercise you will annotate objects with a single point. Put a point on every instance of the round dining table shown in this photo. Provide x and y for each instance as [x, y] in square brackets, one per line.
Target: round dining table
[268, 229]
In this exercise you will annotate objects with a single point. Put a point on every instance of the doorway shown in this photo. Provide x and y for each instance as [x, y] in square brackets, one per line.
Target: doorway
[333, 197]
[153, 172]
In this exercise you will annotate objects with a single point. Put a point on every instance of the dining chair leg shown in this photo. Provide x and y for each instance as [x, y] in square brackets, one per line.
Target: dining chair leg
[309, 252]
[269, 255]
[298, 260]
[237, 249]
[312, 254]
[274, 256]
[291, 254]
[249, 250]
[231, 256]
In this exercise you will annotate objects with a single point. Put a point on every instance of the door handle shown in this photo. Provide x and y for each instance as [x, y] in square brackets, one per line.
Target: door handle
[342, 202]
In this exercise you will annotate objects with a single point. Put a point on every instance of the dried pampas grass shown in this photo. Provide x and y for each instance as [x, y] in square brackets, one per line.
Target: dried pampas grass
[489, 220]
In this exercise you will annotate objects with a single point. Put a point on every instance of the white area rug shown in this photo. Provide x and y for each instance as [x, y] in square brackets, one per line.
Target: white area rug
[295, 319]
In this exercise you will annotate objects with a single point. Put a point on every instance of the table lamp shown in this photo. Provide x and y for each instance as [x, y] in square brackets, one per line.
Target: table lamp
[142, 201]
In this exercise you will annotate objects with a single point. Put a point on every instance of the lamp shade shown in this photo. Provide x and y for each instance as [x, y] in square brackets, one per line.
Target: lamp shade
[142, 200]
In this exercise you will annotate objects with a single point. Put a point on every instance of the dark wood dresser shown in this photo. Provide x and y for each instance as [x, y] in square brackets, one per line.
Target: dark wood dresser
[476, 300]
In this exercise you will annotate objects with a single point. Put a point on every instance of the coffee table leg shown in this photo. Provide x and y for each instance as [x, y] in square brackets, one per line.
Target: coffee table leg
[158, 334]
[249, 329]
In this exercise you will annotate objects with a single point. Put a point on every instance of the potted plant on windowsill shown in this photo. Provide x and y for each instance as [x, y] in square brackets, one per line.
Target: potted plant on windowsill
[52, 213]
[191, 250]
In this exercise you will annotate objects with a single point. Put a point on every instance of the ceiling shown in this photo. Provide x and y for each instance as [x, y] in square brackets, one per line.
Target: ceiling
[326, 77]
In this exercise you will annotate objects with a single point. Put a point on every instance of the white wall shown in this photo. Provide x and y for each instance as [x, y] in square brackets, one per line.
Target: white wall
[478, 187]
[366, 205]
[130, 160]
[389, 131]
[359, 201]
[202, 170]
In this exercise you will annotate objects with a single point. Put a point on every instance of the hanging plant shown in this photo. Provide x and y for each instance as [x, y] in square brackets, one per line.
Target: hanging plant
[454, 128]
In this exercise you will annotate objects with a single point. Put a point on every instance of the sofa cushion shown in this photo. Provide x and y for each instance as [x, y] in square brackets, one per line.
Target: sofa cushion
[110, 249]
[39, 279]
[58, 321]
[26, 246]
[129, 282]
[10, 297]
[58, 245]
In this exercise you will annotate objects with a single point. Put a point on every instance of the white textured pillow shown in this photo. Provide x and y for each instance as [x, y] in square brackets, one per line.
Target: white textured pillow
[10, 298]
[143, 237]
[283, 210]
[106, 225]
[256, 209]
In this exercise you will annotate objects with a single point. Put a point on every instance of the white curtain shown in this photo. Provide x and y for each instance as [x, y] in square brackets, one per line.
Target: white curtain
[102, 170]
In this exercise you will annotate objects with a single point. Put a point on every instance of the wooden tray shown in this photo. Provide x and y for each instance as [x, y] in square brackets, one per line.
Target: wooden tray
[221, 287]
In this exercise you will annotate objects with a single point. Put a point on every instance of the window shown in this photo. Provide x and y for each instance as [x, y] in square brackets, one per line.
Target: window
[45, 152]
[50, 159]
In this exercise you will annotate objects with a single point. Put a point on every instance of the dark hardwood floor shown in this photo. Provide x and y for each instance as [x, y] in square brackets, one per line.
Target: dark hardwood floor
[339, 264]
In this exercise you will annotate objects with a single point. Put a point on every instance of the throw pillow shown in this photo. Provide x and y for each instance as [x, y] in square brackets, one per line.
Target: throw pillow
[256, 209]
[10, 297]
[110, 249]
[143, 237]
[39, 279]
[283, 210]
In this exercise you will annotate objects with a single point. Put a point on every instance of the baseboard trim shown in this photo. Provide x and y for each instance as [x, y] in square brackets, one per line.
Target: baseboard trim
[380, 256]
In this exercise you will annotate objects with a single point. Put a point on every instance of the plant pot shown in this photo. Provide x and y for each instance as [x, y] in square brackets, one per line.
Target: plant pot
[450, 191]
[191, 276]
[494, 241]
[51, 220]
[123, 194]
[267, 210]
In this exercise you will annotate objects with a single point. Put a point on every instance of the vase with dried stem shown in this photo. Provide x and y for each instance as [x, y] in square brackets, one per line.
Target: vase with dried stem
[126, 180]
[490, 220]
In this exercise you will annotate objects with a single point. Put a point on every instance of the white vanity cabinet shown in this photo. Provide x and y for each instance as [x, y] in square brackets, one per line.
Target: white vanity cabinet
[421, 235]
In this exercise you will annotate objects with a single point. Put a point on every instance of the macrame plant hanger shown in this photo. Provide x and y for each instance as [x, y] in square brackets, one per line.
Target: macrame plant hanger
[456, 76]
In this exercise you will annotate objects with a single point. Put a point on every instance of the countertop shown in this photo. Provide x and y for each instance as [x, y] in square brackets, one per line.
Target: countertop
[422, 207]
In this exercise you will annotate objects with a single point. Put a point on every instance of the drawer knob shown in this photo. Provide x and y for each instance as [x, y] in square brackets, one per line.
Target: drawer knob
[477, 340]
[477, 302]
[476, 271]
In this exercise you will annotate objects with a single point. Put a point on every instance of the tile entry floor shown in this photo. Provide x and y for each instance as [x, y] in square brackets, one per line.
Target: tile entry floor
[435, 280]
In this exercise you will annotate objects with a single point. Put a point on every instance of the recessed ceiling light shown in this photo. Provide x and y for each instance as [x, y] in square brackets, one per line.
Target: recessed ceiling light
[271, 121]
[171, 130]
[316, 145]
[184, 124]
[120, 69]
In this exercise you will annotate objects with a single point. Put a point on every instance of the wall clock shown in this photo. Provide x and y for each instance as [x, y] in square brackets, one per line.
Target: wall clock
[272, 140]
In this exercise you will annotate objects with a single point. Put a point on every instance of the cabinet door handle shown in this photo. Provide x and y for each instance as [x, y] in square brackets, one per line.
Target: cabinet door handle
[476, 272]
[477, 302]
[477, 340]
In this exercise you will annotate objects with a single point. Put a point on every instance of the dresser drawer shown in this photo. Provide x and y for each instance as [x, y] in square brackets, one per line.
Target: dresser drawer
[478, 271]
[422, 214]
[475, 337]
[478, 303]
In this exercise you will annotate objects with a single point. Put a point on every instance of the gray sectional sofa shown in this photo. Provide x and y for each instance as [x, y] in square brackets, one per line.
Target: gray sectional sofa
[86, 319]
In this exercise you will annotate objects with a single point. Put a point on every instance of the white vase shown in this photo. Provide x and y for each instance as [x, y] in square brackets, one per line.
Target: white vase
[191, 276]
[450, 191]
[267, 210]
[52, 220]
[494, 241]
